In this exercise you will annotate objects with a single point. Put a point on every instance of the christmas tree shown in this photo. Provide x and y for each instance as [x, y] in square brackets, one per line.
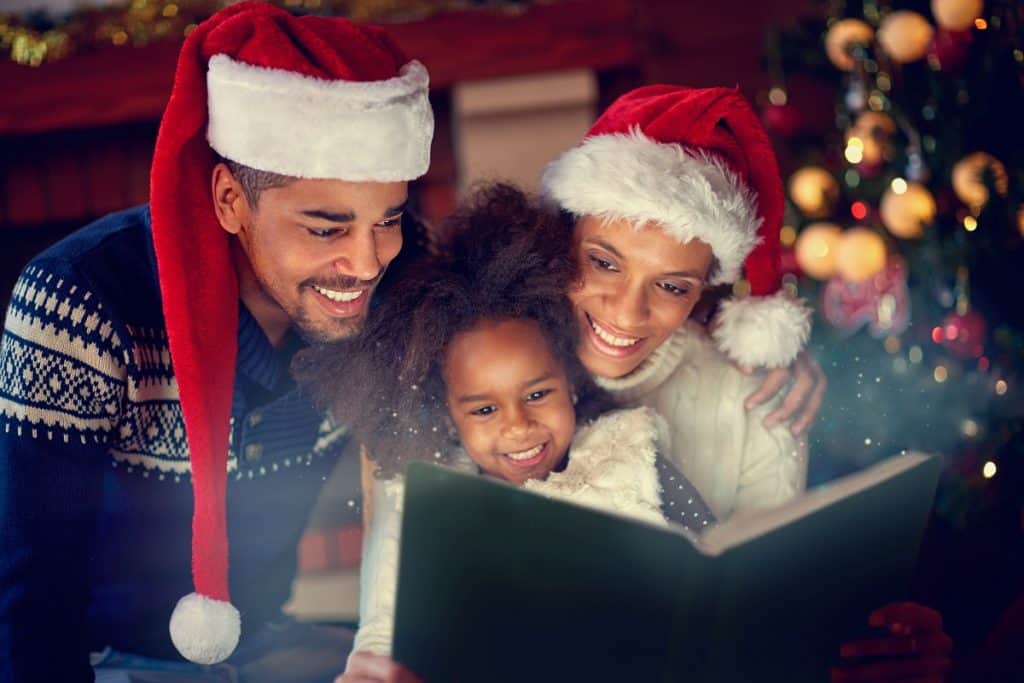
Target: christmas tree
[899, 129]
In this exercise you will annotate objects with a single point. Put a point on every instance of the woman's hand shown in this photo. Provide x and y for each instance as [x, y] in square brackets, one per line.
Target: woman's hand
[802, 401]
[916, 649]
[364, 667]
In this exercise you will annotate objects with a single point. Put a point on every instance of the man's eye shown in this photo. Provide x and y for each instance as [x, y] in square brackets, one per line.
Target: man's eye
[600, 263]
[482, 412]
[537, 395]
[392, 222]
[324, 232]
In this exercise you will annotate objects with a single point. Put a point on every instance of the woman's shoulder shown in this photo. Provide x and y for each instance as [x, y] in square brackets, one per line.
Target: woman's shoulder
[698, 358]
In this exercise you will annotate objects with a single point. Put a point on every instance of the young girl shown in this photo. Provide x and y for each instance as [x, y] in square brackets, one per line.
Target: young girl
[472, 361]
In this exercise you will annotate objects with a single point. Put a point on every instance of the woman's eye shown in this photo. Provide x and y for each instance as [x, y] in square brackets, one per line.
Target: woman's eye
[675, 290]
[482, 412]
[600, 263]
[537, 395]
[390, 222]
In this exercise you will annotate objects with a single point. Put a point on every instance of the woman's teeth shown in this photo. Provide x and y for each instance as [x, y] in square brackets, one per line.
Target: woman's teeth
[610, 338]
[526, 455]
[339, 296]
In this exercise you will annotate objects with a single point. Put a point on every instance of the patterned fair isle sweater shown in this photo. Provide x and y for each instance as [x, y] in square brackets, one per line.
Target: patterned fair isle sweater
[95, 495]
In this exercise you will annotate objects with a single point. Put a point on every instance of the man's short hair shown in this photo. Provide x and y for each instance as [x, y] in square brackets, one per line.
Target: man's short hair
[254, 181]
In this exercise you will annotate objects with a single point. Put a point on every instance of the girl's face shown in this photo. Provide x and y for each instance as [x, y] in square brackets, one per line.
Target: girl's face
[637, 287]
[510, 399]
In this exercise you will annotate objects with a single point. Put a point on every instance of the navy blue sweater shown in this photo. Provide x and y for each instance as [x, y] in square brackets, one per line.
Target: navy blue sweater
[95, 495]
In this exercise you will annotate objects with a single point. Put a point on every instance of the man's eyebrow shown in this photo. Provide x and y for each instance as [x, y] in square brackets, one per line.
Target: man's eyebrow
[348, 217]
[329, 215]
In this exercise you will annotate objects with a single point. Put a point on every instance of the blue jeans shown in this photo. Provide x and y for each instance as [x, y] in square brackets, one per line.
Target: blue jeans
[283, 651]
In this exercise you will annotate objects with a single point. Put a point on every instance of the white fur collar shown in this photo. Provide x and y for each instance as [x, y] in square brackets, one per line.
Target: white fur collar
[612, 466]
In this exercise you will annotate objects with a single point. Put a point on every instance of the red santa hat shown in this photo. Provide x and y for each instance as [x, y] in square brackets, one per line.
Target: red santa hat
[307, 97]
[697, 163]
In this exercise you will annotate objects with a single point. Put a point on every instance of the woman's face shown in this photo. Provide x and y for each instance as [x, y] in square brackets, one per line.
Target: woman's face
[510, 399]
[637, 287]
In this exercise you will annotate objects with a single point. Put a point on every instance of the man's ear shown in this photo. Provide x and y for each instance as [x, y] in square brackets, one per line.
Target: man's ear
[229, 200]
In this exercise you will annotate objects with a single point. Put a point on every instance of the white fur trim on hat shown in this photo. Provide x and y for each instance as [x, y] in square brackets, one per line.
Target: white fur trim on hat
[296, 125]
[205, 630]
[762, 331]
[691, 194]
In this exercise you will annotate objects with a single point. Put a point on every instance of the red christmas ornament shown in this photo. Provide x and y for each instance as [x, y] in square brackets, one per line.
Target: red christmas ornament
[783, 119]
[962, 335]
[949, 49]
[883, 302]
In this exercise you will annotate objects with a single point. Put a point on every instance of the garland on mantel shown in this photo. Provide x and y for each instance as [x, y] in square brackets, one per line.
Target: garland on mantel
[35, 38]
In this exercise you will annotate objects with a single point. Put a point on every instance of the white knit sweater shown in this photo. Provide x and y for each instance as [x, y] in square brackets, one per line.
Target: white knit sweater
[612, 468]
[737, 464]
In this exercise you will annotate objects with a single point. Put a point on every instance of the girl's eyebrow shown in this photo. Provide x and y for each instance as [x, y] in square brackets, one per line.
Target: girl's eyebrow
[473, 398]
[543, 378]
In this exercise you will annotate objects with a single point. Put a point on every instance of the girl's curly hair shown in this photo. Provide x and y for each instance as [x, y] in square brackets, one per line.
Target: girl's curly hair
[504, 258]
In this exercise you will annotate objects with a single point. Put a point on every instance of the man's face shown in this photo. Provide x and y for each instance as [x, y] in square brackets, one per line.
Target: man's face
[318, 248]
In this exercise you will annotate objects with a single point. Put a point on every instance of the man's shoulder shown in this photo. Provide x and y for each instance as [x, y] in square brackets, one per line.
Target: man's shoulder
[111, 259]
[122, 234]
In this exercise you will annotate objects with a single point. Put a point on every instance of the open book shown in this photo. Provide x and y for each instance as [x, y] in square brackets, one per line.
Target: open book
[500, 584]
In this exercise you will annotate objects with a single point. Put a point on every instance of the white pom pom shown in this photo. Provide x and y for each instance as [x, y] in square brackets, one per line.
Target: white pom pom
[204, 630]
[764, 331]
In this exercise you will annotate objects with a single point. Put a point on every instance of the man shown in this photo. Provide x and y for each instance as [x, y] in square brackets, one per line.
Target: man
[146, 407]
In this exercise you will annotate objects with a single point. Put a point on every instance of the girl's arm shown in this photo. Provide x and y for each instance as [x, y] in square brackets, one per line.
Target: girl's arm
[378, 581]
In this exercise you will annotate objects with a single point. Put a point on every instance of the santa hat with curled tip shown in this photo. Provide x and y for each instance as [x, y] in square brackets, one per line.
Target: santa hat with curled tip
[307, 97]
[697, 163]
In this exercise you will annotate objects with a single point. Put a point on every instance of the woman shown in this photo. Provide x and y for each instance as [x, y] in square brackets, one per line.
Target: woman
[675, 190]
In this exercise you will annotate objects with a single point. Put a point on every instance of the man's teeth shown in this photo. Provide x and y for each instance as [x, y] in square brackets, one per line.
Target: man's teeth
[526, 455]
[610, 338]
[339, 296]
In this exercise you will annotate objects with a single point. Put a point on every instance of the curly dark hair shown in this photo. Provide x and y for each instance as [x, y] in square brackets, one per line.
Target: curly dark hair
[504, 258]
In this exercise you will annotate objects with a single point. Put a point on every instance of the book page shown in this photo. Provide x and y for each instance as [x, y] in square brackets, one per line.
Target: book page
[742, 528]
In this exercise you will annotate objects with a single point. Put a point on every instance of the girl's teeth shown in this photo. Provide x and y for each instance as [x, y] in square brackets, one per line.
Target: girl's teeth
[526, 455]
[611, 338]
[339, 296]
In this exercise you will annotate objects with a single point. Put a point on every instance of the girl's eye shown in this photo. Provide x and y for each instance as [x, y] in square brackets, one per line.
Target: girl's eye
[600, 263]
[675, 290]
[538, 395]
[323, 233]
[483, 411]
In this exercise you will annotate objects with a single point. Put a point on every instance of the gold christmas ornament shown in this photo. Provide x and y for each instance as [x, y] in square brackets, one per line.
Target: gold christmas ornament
[957, 15]
[969, 179]
[814, 191]
[860, 254]
[842, 36]
[905, 36]
[816, 250]
[874, 124]
[906, 214]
